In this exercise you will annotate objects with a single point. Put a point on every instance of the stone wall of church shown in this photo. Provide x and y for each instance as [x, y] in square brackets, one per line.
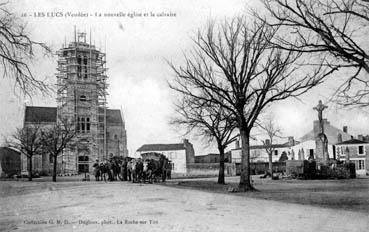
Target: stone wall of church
[116, 140]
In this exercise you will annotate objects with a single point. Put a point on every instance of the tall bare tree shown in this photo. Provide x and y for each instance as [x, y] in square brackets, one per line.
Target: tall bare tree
[56, 138]
[209, 121]
[335, 29]
[272, 131]
[17, 52]
[27, 140]
[234, 65]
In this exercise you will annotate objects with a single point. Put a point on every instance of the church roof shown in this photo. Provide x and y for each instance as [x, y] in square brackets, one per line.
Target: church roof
[113, 116]
[37, 114]
[162, 147]
[352, 141]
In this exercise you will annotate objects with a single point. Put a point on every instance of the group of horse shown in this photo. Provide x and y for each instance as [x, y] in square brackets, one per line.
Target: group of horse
[137, 170]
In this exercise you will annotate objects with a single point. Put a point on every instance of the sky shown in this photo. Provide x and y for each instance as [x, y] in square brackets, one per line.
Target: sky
[138, 48]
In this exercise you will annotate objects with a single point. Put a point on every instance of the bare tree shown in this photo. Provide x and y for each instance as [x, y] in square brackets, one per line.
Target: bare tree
[28, 141]
[17, 52]
[56, 138]
[272, 131]
[335, 29]
[233, 65]
[209, 121]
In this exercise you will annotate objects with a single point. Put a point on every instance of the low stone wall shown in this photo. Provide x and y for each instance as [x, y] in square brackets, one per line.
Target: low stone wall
[210, 169]
[294, 167]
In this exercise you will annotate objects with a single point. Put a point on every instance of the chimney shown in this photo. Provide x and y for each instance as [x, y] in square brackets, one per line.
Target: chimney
[345, 129]
[267, 142]
[339, 138]
[360, 137]
[237, 145]
[291, 141]
[185, 141]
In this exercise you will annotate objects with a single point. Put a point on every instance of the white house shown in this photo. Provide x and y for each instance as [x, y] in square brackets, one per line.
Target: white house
[356, 151]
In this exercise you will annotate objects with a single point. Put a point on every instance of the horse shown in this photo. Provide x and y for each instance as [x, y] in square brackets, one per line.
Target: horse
[103, 171]
[139, 170]
[166, 168]
[149, 168]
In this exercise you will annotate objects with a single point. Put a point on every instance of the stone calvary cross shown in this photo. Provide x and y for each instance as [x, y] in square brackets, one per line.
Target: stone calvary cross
[320, 107]
[321, 139]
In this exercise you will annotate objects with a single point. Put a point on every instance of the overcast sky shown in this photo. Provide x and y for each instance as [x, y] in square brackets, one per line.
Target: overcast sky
[136, 50]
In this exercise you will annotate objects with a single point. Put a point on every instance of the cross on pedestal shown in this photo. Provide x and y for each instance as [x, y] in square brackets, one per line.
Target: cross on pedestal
[320, 107]
[321, 139]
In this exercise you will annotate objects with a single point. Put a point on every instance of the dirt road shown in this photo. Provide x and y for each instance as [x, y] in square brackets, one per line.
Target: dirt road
[91, 206]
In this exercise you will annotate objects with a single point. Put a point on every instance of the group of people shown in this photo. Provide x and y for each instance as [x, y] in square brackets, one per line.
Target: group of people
[106, 170]
[130, 169]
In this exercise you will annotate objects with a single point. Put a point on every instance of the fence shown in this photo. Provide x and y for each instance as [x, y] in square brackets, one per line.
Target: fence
[209, 169]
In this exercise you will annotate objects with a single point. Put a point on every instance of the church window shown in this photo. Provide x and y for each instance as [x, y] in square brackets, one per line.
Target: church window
[82, 98]
[79, 68]
[88, 124]
[78, 124]
[85, 66]
[83, 125]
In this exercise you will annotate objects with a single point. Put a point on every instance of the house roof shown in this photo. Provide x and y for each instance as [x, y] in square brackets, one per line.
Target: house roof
[352, 141]
[254, 147]
[40, 114]
[272, 146]
[48, 115]
[113, 116]
[162, 147]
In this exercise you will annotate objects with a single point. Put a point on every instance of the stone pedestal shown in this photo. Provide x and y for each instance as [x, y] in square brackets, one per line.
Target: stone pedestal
[321, 143]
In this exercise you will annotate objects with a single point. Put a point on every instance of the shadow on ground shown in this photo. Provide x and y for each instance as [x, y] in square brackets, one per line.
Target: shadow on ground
[350, 195]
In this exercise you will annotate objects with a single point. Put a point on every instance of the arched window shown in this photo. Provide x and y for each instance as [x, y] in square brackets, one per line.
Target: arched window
[83, 98]
[115, 137]
[85, 66]
[88, 124]
[84, 124]
[79, 68]
[83, 158]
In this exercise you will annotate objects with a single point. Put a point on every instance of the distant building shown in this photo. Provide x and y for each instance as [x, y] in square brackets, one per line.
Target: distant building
[356, 151]
[180, 154]
[307, 146]
[258, 153]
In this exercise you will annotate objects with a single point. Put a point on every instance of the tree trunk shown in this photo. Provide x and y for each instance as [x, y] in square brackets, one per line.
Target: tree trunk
[29, 168]
[54, 170]
[245, 178]
[221, 165]
[270, 154]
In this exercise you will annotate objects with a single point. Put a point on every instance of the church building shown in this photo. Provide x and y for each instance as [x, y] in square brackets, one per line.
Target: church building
[81, 99]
